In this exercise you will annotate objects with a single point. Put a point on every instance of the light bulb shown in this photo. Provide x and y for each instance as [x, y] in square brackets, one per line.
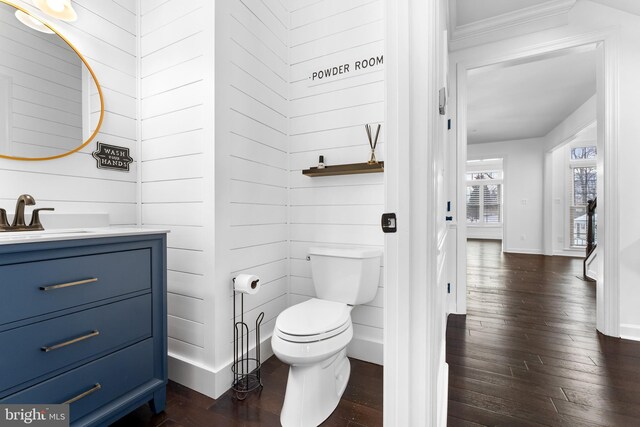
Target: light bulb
[56, 5]
[59, 9]
[32, 23]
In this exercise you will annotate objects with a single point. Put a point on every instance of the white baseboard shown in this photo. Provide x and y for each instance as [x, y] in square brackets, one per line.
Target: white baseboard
[367, 350]
[523, 251]
[214, 383]
[203, 379]
[443, 395]
[571, 254]
[630, 332]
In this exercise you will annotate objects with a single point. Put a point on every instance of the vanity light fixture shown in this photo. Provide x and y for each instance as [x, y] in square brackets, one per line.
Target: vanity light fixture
[59, 9]
[32, 22]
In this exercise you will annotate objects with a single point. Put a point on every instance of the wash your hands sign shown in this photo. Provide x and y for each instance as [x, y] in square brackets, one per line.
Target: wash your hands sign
[356, 65]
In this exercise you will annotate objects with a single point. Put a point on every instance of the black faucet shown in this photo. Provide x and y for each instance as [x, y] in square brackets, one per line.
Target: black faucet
[23, 200]
[18, 223]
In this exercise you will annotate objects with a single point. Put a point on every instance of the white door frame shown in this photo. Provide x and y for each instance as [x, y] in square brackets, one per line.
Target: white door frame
[607, 300]
[412, 351]
[396, 263]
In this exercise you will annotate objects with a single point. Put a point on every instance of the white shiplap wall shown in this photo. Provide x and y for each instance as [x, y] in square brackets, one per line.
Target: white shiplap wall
[106, 34]
[251, 160]
[175, 144]
[328, 117]
[215, 169]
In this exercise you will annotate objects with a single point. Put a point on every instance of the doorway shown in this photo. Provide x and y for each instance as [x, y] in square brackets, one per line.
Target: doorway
[515, 235]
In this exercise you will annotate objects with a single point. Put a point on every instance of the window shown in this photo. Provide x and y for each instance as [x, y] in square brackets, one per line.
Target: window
[484, 198]
[580, 153]
[582, 167]
[471, 176]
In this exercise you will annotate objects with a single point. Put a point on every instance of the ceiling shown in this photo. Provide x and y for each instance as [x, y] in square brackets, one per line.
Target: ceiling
[469, 11]
[465, 12]
[630, 6]
[527, 100]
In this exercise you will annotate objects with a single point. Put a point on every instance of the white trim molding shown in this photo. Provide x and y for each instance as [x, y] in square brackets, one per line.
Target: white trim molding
[523, 251]
[530, 19]
[608, 286]
[630, 332]
[608, 281]
[414, 306]
[204, 379]
[366, 349]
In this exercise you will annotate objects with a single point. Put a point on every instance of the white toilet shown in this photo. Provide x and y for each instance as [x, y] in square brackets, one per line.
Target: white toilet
[313, 336]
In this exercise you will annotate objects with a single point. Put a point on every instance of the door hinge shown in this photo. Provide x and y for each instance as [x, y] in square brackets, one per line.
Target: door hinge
[448, 288]
[388, 223]
[449, 124]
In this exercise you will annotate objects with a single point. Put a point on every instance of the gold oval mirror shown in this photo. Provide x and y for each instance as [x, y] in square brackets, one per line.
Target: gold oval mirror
[51, 103]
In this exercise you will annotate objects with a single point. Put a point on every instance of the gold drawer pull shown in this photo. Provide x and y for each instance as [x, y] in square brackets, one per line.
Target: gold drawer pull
[83, 395]
[73, 341]
[66, 285]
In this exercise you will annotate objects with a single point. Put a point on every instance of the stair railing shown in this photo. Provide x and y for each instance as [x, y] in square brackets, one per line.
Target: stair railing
[591, 234]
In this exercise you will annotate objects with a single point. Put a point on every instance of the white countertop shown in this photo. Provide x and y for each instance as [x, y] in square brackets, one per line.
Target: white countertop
[52, 235]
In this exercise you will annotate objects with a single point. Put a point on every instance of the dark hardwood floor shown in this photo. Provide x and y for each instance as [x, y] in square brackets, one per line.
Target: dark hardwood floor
[527, 353]
[361, 404]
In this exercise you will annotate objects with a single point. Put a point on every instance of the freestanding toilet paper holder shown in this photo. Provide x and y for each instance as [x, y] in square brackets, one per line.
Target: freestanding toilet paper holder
[246, 369]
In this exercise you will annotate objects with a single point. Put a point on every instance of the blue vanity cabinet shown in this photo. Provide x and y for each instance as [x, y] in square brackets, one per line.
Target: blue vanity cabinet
[84, 322]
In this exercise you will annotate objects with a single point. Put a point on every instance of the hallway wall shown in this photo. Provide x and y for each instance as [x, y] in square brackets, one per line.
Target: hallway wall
[523, 191]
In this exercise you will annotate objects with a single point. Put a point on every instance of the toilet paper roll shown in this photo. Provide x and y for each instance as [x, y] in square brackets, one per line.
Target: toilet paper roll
[246, 283]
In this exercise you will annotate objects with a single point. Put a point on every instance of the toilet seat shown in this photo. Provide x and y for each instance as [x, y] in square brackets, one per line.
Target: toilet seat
[313, 320]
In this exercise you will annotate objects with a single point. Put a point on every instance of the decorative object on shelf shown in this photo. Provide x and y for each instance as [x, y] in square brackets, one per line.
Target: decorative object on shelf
[112, 157]
[349, 169]
[372, 166]
[59, 9]
[372, 143]
[246, 369]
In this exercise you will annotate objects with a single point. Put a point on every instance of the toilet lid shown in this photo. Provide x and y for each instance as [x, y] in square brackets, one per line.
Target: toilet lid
[313, 317]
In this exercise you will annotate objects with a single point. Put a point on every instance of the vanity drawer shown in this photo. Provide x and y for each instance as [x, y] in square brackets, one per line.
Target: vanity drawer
[94, 384]
[40, 287]
[40, 348]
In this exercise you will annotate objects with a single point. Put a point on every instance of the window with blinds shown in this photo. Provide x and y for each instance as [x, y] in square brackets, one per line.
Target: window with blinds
[582, 188]
[484, 198]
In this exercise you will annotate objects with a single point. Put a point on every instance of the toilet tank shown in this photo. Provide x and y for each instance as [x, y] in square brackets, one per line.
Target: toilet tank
[347, 275]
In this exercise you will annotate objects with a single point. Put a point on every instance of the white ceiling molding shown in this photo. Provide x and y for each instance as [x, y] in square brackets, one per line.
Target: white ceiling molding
[527, 20]
[629, 6]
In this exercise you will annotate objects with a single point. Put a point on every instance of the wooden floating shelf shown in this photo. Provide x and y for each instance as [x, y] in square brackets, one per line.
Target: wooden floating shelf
[350, 169]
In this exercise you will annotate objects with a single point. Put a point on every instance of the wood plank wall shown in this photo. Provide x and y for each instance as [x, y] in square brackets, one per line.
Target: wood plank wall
[328, 117]
[252, 158]
[174, 163]
[106, 35]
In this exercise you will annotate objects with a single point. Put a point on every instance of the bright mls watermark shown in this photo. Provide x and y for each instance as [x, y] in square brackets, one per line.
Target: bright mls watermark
[34, 415]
